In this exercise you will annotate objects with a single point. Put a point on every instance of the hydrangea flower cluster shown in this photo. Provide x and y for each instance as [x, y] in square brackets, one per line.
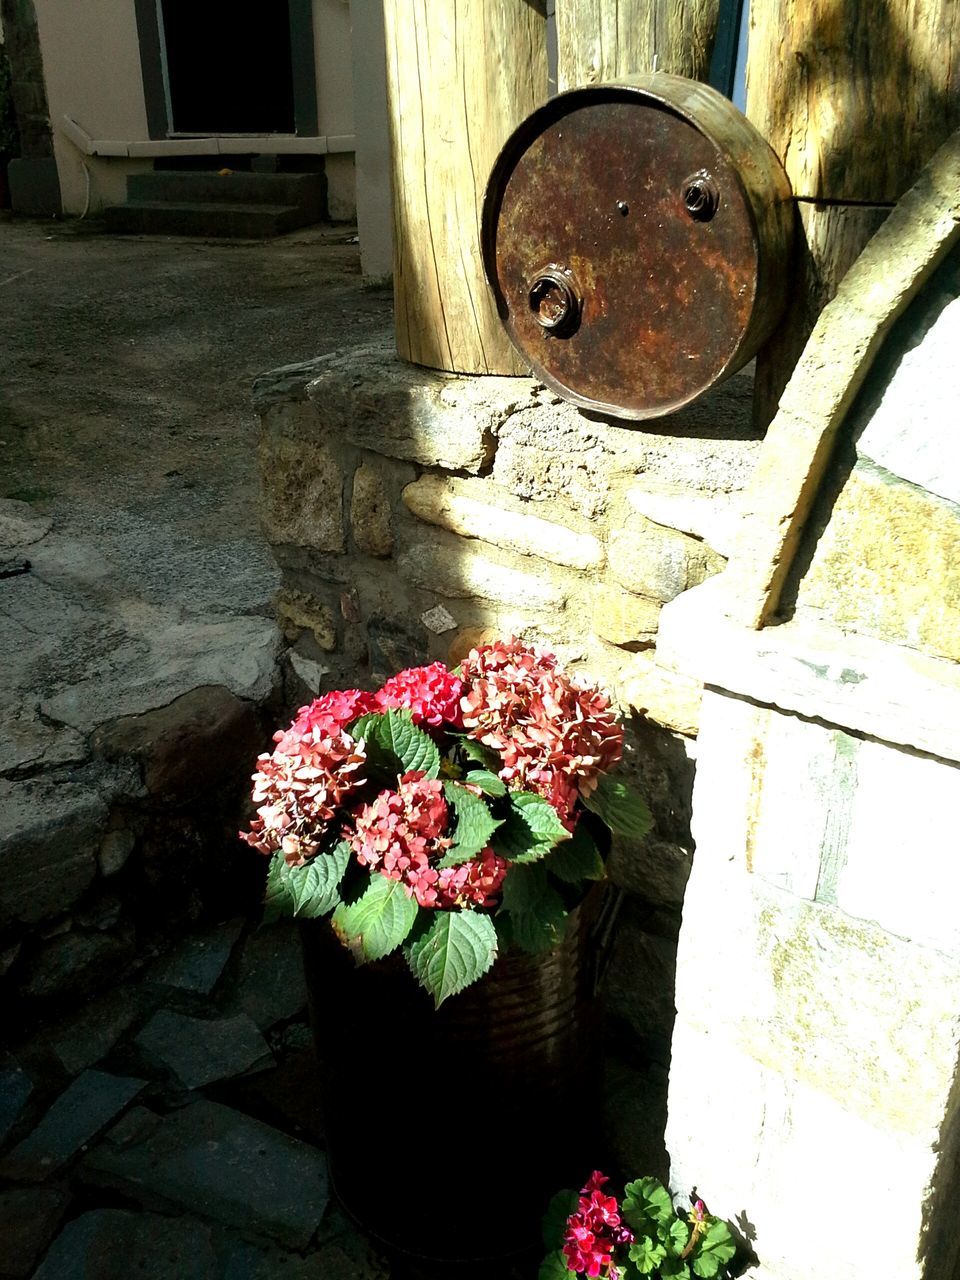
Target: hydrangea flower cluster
[325, 715]
[594, 1230]
[401, 835]
[431, 693]
[367, 791]
[301, 787]
[475, 883]
[554, 735]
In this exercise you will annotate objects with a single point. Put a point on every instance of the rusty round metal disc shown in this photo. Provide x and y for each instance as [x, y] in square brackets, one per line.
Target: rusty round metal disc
[622, 245]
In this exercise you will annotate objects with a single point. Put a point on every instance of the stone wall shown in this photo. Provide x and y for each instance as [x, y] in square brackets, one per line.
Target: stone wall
[882, 555]
[815, 1067]
[819, 992]
[415, 514]
[410, 511]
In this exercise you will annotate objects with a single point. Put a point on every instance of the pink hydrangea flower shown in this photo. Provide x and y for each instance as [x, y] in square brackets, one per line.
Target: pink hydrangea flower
[401, 835]
[554, 734]
[475, 883]
[326, 715]
[300, 787]
[432, 693]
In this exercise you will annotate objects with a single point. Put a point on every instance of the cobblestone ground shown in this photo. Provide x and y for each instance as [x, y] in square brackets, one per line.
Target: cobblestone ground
[170, 1130]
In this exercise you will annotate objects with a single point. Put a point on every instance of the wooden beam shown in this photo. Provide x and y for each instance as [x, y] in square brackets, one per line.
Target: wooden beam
[854, 96]
[461, 75]
[605, 39]
[828, 239]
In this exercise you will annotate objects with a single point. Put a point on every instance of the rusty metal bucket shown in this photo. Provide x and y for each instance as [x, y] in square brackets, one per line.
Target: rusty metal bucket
[448, 1130]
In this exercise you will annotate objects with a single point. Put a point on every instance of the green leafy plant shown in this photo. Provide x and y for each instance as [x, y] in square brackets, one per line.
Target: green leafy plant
[592, 1234]
[451, 814]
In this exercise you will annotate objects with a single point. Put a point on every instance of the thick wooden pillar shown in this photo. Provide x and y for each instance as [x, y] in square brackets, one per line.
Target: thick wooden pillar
[854, 98]
[603, 39]
[461, 75]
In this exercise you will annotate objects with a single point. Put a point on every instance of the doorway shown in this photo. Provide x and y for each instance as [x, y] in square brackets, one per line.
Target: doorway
[228, 65]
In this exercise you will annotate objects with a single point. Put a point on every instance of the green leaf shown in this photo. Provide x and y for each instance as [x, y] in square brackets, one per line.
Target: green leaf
[555, 1219]
[485, 756]
[530, 830]
[675, 1268]
[378, 921]
[488, 782]
[679, 1234]
[314, 887]
[395, 732]
[714, 1250]
[554, 1267]
[647, 1203]
[276, 898]
[474, 827]
[646, 1254]
[533, 913]
[577, 859]
[535, 910]
[457, 949]
[628, 1271]
[619, 806]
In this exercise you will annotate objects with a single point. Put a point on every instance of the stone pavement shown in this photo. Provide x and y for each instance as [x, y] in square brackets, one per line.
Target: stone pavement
[140, 654]
[170, 1130]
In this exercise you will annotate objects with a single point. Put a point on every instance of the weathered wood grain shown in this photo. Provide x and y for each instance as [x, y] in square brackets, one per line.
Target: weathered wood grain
[855, 96]
[605, 39]
[461, 75]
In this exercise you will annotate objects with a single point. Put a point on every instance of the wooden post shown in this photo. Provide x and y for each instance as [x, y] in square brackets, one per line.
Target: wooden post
[604, 39]
[854, 98]
[461, 75]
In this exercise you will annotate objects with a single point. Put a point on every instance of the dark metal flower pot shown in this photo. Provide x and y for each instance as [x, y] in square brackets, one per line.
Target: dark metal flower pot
[448, 1130]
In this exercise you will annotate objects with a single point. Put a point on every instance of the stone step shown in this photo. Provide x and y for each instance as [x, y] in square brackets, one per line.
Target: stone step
[210, 218]
[178, 186]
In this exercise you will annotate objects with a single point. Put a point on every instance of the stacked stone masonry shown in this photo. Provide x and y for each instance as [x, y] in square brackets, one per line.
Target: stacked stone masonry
[409, 510]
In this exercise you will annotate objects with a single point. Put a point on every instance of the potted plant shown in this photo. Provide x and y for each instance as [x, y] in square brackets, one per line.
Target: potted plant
[439, 839]
[642, 1235]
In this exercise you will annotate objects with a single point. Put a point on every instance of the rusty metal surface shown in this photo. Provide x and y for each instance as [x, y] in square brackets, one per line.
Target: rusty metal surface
[624, 243]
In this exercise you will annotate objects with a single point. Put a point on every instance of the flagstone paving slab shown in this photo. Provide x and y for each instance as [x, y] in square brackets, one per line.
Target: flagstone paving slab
[336, 1260]
[113, 1244]
[197, 963]
[88, 1037]
[200, 1051]
[15, 1090]
[270, 983]
[212, 1160]
[76, 1118]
